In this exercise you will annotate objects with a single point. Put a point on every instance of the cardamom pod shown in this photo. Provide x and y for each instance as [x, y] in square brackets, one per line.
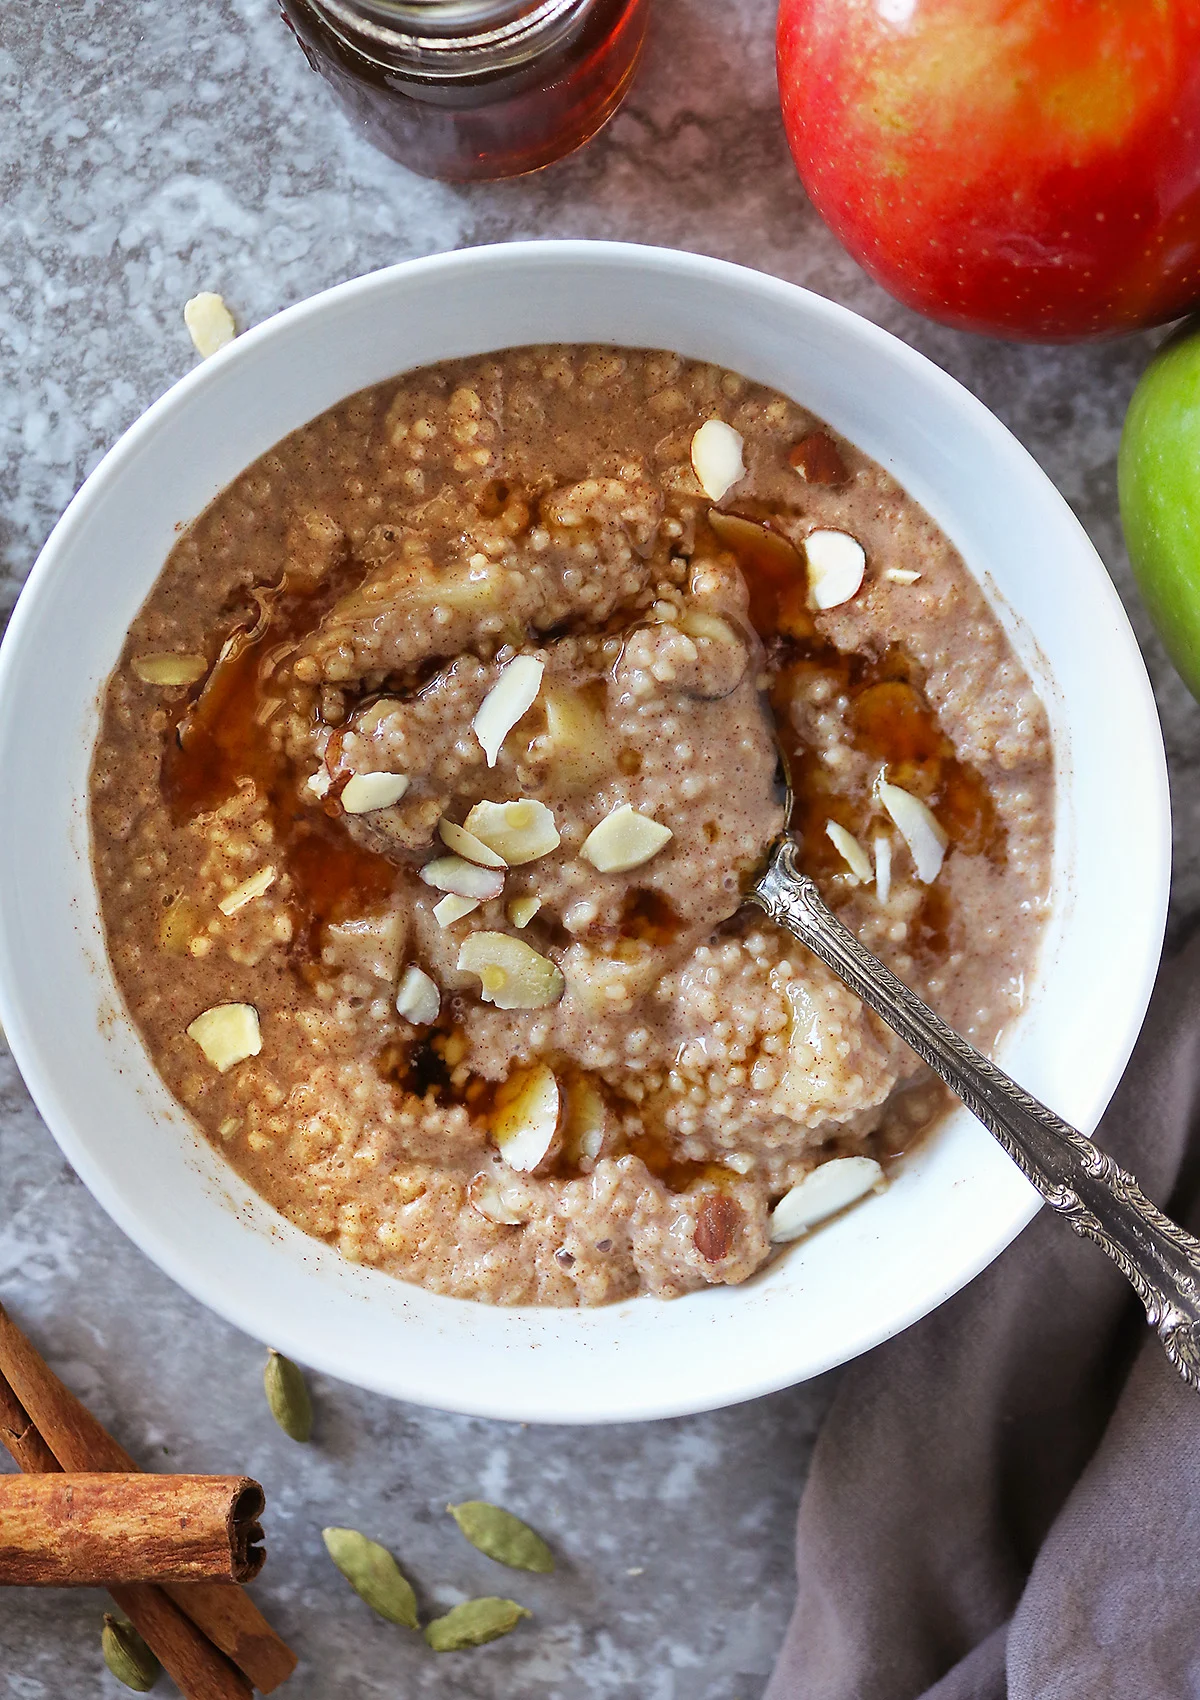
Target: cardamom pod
[502, 1536]
[287, 1395]
[373, 1574]
[127, 1655]
[472, 1623]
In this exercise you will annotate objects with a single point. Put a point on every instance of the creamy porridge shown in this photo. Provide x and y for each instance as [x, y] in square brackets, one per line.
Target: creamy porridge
[433, 769]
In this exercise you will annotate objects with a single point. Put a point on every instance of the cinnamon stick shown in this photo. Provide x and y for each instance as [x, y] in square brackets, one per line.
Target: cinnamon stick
[196, 1666]
[19, 1434]
[225, 1615]
[66, 1531]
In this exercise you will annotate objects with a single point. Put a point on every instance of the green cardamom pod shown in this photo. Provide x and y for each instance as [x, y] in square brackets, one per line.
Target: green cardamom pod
[502, 1536]
[373, 1574]
[287, 1395]
[127, 1655]
[473, 1623]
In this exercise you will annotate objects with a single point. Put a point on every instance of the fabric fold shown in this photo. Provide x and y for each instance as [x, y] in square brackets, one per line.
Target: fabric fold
[1004, 1501]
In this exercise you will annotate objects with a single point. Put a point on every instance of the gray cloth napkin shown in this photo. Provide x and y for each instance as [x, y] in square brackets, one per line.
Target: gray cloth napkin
[1004, 1501]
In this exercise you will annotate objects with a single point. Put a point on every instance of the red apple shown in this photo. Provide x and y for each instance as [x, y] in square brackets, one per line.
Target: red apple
[1026, 168]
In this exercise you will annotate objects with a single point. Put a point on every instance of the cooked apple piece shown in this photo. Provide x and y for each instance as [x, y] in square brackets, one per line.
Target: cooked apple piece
[511, 697]
[524, 1118]
[585, 1120]
[181, 922]
[512, 974]
[227, 1034]
[825, 1190]
[623, 840]
[576, 742]
[169, 669]
[518, 832]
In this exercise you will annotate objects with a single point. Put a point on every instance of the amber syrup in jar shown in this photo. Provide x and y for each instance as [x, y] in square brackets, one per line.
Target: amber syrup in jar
[473, 89]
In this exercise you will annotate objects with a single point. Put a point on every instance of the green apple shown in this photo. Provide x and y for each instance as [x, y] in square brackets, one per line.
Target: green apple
[1158, 479]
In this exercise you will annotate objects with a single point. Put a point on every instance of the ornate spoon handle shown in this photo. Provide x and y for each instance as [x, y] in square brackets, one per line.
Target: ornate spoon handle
[1098, 1198]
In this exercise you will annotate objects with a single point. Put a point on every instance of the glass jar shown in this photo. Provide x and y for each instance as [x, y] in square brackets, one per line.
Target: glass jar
[470, 89]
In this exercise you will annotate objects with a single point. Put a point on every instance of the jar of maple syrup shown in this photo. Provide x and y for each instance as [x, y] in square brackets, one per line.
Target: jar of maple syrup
[470, 89]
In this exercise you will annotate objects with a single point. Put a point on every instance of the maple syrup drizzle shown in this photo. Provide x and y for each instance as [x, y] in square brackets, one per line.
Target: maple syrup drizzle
[219, 739]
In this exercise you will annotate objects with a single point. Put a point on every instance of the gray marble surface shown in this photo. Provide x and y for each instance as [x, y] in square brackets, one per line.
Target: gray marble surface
[150, 151]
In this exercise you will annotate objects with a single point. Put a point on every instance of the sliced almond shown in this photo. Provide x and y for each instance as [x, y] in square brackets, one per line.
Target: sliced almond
[883, 867]
[169, 669]
[518, 832]
[623, 840]
[452, 909]
[465, 844]
[836, 564]
[511, 697]
[227, 1034]
[850, 850]
[209, 322]
[512, 974]
[825, 1190]
[499, 1198]
[717, 458]
[363, 793]
[247, 891]
[525, 1118]
[902, 575]
[919, 828]
[463, 878]
[318, 783]
[522, 910]
[417, 997]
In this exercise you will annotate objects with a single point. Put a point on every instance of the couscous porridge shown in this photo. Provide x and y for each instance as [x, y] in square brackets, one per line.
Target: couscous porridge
[430, 778]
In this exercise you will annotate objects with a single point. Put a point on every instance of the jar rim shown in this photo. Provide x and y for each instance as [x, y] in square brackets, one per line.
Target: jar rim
[446, 25]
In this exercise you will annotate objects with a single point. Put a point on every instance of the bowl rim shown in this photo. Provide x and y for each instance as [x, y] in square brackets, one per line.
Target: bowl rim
[34, 1057]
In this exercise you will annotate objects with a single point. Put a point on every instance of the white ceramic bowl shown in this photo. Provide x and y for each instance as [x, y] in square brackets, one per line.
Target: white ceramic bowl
[954, 1205]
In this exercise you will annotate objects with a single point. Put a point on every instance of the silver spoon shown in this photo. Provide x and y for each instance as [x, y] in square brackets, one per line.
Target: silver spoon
[1100, 1200]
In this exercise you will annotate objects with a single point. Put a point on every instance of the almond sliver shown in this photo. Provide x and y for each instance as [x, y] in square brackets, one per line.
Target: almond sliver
[525, 1119]
[417, 997]
[463, 878]
[511, 697]
[836, 564]
[247, 891]
[623, 840]
[919, 828]
[825, 1190]
[363, 793]
[465, 844]
[717, 458]
[452, 908]
[850, 850]
[518, 832]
